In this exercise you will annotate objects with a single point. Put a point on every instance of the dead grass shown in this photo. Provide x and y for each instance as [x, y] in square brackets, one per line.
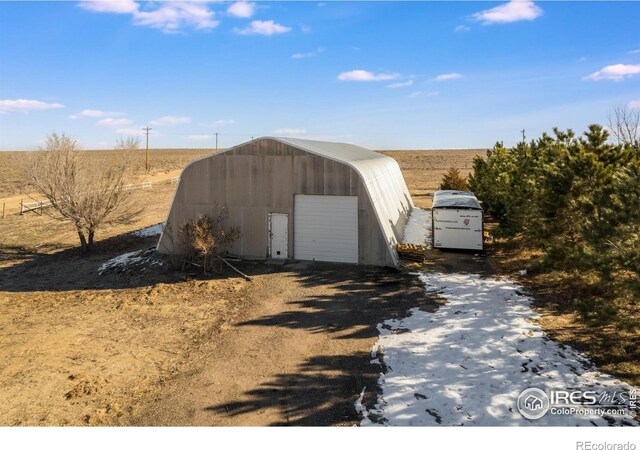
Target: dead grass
[161, 160]
[614, 350]
[83, 349]
[79, 348]
[611, 346]
[423, 169]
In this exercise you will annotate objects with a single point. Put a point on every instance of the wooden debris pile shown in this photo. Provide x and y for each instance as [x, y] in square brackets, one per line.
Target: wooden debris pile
[412, 252]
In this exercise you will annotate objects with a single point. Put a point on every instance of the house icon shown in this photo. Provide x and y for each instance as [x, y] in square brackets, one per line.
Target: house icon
[533, 403]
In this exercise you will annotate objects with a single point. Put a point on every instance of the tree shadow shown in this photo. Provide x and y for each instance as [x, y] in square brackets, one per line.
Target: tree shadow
[63, 268]
[347, 304]
[360, 297]
[320, 393]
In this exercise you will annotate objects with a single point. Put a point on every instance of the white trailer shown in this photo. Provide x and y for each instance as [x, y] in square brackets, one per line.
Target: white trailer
[457, 221]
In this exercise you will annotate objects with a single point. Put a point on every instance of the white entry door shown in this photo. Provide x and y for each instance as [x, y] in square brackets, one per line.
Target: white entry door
[325, 228]
[278, 235]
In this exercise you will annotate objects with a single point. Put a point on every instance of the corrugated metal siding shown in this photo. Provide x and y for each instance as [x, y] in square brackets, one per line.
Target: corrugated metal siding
[382, 178]
[263, 176]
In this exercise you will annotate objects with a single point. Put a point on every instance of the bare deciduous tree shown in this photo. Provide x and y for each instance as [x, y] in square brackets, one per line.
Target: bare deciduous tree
[86, 195]
[624, 124]
[129, 144]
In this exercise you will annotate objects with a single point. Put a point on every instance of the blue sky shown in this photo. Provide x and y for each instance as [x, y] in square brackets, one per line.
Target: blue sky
[380, 74]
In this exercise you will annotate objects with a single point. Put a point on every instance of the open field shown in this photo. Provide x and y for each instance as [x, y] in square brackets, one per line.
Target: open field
[80, 348]
[161, 161]
[423, 170]
[158, 347]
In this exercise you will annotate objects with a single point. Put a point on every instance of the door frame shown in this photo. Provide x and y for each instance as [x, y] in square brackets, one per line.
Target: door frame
[270, 234]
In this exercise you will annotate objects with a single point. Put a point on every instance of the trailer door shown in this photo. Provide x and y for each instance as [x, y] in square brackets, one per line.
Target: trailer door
[457, 229]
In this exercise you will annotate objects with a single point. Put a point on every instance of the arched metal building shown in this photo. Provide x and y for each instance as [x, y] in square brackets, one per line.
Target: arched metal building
[300, 199]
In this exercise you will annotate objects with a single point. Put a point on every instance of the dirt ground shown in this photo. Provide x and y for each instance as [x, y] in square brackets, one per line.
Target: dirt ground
[299, 355]
[78, 348]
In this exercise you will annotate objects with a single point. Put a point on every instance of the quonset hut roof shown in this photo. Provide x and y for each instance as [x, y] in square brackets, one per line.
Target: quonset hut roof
[380, 174]
[455, 199]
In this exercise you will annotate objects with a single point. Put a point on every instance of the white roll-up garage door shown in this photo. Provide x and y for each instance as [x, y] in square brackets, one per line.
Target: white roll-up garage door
[326, 228]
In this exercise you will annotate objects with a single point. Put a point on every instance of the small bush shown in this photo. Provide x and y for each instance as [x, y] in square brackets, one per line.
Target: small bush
[202, 239]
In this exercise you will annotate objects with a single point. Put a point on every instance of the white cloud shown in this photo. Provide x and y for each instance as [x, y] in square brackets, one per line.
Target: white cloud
[112, 122]
[400, 84]
[462, 29]
[513, 11]
[289, 131]
[364, 75]
[423, 94]
[24, 106]
[263, 27]
[223, 122]
[242, 9]
[95, 114]
[316, 52]
[201, 137]
[172, 16]
[130, 131]
[168, 16]
[218, 123]
[448, 76]
[110, 6]
[634, 52]
[171, 120]
[634, 104]
[616, 72]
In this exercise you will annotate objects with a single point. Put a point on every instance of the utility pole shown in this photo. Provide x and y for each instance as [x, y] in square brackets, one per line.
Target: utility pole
[216, 142]
[524, 139]
[146, 156]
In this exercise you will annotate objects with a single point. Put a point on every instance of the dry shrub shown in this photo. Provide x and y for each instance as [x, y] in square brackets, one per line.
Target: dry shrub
[204, 238]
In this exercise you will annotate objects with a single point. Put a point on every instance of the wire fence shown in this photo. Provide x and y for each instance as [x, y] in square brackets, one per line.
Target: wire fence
[37, 206]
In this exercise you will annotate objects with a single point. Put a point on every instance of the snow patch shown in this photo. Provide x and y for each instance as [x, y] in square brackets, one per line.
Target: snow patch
[466, 363]
[130, 260]
[360, 409]
[119, 261]
[153, 230]
[417, 231]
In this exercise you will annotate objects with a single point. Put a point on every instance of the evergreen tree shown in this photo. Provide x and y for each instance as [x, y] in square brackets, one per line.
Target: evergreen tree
[453, 180]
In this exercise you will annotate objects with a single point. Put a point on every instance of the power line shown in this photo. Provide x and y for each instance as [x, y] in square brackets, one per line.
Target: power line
[524, 138]
[146, 158]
